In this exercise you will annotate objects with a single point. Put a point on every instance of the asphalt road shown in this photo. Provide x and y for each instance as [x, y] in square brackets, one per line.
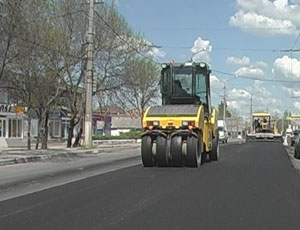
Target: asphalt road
[253, 186]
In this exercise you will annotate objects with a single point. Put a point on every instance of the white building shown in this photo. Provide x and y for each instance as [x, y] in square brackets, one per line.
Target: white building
[13, 125]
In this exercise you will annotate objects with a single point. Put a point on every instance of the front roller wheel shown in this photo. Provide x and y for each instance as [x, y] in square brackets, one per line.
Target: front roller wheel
[161, 151]
[176, 151]
[193, 155]
[214, 153]
[147, 157]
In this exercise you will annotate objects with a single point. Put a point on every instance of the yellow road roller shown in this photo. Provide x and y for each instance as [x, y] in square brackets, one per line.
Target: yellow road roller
[183, 130]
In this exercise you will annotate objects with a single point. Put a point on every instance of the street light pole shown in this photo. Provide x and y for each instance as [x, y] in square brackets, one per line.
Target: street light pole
[88, 79]
[251, 128]
[224, 103]
[224, 96]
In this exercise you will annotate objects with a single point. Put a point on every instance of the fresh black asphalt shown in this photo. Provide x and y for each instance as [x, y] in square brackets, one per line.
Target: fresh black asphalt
[253, 186]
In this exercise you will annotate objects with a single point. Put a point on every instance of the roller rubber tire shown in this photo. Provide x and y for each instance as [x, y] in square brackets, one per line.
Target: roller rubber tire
[296, 154]
[161, 151]
[176, 151]
[214, 153]
[193, 157]
[147, 157]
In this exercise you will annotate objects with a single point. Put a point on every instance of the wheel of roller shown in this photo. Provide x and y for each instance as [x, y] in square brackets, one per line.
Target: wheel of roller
[193, 157]
[214, 153]
[161, 151]
[147, 156]
[176, 151]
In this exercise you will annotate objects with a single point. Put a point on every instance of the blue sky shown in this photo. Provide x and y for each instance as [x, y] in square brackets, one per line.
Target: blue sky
[242, 37]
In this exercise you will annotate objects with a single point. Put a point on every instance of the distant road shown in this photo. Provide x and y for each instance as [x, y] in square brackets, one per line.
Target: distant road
[253, 186]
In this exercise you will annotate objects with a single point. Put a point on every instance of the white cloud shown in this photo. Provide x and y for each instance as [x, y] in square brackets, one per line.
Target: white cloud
[297, 105]
[238, 61]
[239, 100]
[262, 65]
[253, 72]
[262, 25]
[287, 67]
[238, 94]
[144, 45]
[235, 105]
[215, 83]
[291, 92]
[257, 90]
[265, 17]
[247, 67]
[266, 101]
[201, 50]
[257, 83]
[263, 97]
[157, 53]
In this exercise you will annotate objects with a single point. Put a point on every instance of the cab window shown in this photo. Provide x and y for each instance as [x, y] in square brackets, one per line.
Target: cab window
[201, 87]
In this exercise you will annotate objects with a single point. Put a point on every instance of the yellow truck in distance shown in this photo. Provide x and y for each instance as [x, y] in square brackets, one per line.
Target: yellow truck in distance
[263, 128]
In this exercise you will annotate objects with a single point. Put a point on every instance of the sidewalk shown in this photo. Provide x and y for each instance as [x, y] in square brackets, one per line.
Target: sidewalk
[59, 150]
[295, 162]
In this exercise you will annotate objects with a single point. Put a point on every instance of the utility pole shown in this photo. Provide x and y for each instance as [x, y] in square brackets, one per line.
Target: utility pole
[282, 125]
[224, 101]
[251, 128]
[88, 80]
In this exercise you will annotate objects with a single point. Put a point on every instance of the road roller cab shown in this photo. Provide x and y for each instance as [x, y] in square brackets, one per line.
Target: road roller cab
[182, 131]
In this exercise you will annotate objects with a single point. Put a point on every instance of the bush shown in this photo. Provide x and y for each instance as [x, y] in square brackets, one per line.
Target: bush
[133, 134]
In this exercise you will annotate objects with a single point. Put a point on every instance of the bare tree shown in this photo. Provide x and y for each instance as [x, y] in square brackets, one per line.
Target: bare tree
[141, 85]
[43, 57]
[37, 70]
[111, 51]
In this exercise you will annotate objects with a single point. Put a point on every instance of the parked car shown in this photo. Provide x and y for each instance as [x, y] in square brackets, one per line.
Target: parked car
[222, 129]
[294, 136]
[297, 147]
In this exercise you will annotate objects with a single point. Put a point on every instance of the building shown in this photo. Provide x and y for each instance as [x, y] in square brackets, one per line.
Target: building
[13, 127]
[113, 120]
[235, 126]
[124, 124]
[14, 122]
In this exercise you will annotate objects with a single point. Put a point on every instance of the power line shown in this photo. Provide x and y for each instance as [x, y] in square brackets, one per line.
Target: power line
[254, 78]
[215, 28]
[34, 43]
[125, 41]
[295, 41]
[222, 48]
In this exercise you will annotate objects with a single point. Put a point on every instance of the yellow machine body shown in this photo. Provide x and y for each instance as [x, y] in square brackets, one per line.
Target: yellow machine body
[183, 130]
[207, 126]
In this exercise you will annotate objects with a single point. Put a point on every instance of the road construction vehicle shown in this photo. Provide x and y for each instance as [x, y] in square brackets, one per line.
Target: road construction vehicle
[183, 130]
[263, 128]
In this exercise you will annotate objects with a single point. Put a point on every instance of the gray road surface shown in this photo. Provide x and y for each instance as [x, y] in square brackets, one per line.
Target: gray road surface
[254, 186]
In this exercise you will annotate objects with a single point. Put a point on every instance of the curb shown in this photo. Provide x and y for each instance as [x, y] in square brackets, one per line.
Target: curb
[19, 160]
[294, 162]
[10, 159]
